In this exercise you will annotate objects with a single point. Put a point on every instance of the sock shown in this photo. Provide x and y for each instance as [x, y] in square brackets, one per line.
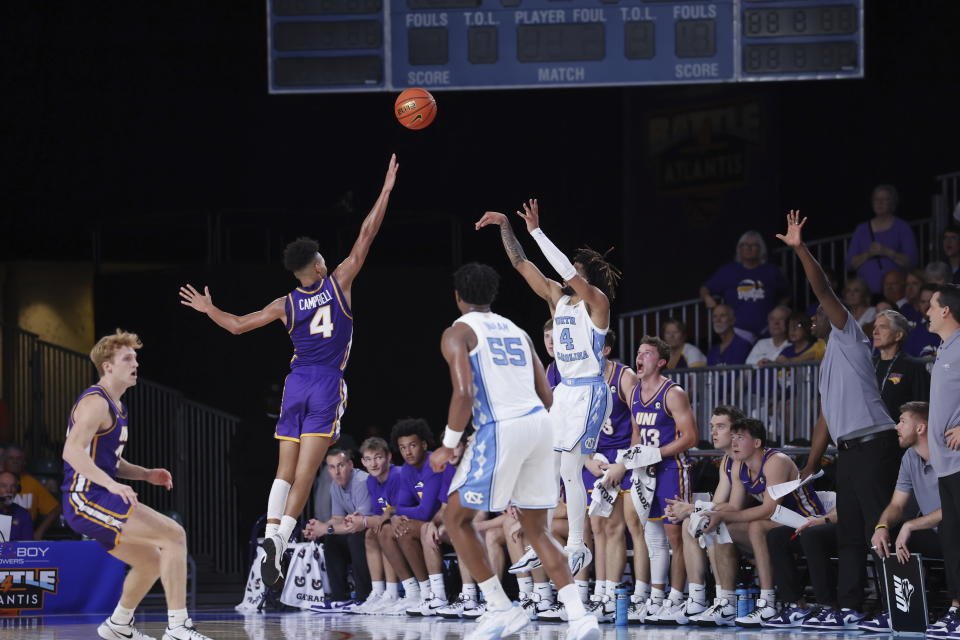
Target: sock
[730, 595]
[426, 589]
[599, 587]
[525, 584]
[718, 591]
[437, 588]
[698, 593]
[276, 504]
[378, 587]
[611, 588]
[543, 588]
[675, 595]
[411, 589]
[657, 595]
[570, 598]
[176, 618]
[121, 615]
[641, 590]
[393, 590]
[493, 591]
[470, 591]
[769, 595]
[287, 525]
[583, 587]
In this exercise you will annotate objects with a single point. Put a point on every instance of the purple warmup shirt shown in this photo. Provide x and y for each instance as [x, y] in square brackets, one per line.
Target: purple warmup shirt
[445, 479]
[735, 353]
[424, 483]
[898, 237]
[751, 293]
[22, 526]
[553, 375]
[393, 492]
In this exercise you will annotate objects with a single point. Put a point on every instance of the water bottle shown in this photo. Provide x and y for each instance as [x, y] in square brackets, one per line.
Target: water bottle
[742, 601]
[623, 604]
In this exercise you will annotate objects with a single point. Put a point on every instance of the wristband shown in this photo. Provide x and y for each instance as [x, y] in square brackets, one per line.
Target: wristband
[880, 526]
[451, 438]
[554, 256]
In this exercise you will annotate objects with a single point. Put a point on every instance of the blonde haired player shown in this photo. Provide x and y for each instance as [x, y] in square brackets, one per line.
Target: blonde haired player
[97, 506]
[582, 402]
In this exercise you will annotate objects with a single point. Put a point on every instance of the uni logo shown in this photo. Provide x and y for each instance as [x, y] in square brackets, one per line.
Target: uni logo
[903, 590]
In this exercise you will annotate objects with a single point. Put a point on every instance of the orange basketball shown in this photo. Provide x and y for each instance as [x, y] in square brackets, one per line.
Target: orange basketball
[415, 108]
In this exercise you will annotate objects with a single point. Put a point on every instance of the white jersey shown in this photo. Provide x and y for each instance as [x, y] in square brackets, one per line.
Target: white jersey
[502, 365]
[577, 342]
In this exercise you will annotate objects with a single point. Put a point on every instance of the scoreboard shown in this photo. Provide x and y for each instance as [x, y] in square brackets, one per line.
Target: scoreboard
[389, 45]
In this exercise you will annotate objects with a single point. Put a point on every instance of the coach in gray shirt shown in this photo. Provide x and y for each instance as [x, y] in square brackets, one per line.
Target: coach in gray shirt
[348, 495]
[944, 317]
[855, 417]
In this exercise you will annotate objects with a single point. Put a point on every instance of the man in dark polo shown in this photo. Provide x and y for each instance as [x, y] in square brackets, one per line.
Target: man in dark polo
[944, 435]
[341, 544]
[901, 377]
[856, 419]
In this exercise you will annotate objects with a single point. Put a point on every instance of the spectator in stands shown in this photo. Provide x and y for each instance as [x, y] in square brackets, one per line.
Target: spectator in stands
[766, 350]
[803, 345]
[732, 349]
[856, 296]
[916, 487]
[343, 541]
[950, 241]
[895, 292]
[33, 496]
[900, 376]
[883, 243]
[921, 342]
[21, 524]
[748, 285]
[938, 273]
[682, 353]
[915, 281]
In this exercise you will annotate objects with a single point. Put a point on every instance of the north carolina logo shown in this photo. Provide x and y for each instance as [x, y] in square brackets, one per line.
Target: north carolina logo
[473, 497]
[590, 443]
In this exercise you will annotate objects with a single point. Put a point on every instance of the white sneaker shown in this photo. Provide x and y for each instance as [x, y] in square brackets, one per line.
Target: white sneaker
[110, 630]
[401, 606]
[637, 613]
[578, 557]
[583, 628]
[454, 610]
[494, 625]
[764, 612]
[270, 570]
[527, 562]
[186, 631]
[378, 606]
[529, 603]
[603, 608]
[428, 608]
[720, 614]
[359, 608]
[677, 612]
[556, 613]
[473, 609]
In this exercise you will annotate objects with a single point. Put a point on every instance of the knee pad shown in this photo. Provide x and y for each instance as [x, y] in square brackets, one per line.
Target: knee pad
[658, 549]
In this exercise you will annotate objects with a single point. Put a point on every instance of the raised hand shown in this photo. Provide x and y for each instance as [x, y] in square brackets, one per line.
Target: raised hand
[160, 477]
[530, 214]
[391, 178]
[202, 302]
[793, 237]
[490, 217]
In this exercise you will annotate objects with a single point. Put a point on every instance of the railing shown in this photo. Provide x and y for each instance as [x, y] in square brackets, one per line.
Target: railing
[41, 382]
[633, 325]
[783, 396]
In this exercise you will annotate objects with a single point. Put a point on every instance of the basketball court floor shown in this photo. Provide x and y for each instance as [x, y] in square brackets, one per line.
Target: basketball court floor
[229, 625]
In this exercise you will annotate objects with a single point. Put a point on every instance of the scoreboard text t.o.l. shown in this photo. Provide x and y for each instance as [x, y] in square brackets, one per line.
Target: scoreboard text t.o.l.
[388, 45]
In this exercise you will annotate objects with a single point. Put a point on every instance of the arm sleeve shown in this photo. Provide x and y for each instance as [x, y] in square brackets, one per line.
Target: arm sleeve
[429, 503]
[560, 263]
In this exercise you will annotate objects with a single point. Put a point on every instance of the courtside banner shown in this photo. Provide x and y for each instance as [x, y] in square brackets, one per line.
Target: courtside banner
[907, 593]
[58, 577]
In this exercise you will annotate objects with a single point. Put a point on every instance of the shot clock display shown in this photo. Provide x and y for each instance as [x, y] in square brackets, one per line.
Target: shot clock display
[388, 45]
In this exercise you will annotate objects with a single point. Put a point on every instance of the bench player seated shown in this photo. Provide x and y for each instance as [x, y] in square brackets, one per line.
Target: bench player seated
[760, 468]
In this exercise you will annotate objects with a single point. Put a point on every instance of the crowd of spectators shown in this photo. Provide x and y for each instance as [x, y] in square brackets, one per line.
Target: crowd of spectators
[24, 498]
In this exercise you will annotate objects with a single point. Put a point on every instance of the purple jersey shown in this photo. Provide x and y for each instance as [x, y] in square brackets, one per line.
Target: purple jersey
[445, 479]
[804, 500]
[424, 483]
[320, 325]
[21, 524]
[105, 449]
[616, 432]
[553, 375]
[726, 464]
[657, 427]
[393, 492]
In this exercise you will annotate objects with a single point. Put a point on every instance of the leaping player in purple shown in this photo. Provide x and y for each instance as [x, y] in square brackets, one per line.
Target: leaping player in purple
[318, 317]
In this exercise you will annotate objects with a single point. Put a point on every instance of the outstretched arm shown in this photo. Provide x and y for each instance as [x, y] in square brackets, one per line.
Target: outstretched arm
[543, 286]
[349, 268]
[203, 302]
[596, 299]
[819, 282]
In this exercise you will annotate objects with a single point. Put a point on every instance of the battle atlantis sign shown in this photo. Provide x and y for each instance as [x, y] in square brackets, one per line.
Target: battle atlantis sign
[703, 148]
[21, 586]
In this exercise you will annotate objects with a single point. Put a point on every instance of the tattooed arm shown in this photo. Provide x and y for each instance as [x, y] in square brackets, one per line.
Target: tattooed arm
[543, 286]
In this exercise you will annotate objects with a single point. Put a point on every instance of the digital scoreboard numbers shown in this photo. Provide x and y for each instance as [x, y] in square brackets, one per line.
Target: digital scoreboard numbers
[389, 45]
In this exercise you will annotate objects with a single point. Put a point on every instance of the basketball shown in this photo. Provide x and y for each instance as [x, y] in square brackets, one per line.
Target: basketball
[415, 108]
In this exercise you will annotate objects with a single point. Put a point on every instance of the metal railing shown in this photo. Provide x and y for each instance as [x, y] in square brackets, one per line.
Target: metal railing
[633, 325]
[783, 396]
[40, 383]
